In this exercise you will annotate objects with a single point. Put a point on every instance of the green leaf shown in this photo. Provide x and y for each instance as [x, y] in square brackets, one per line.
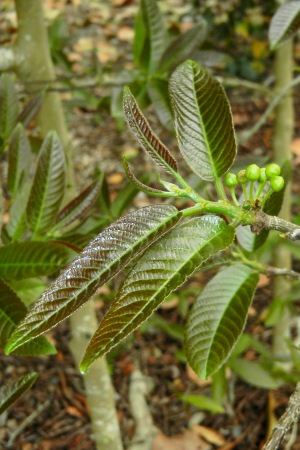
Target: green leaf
[48, 186]
[79, 206]
[20, 260]
[17, 223]
[182, 46]
[285, 23]
[14, 389]
[9, 108]
[163, 268]
[143, 187]
[158, 94]
[125, 196]
[140, 54]
[31, 109]
[145, 136]
[203, 121]
[28, 289]
[218, 317]
[203, 402]
[156, 37]
[253, 373]
[103, 258]
[19, 159]
[12, 311]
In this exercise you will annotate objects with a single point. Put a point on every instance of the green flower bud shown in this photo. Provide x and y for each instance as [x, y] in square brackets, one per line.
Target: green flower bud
[241, 176]
[263, 177]
[272, 170]
[231, 180]
[277, 183]
[253, 172]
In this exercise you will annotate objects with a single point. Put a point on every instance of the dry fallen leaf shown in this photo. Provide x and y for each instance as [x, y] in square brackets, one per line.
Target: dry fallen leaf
[195, 379]
[106, 52]
[209, 434]
[125, 33]
[264, 281]
[188, 440]
[295, 146]
[116, 178]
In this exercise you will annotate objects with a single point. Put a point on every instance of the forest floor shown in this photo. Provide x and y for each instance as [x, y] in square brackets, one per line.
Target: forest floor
[53, 415]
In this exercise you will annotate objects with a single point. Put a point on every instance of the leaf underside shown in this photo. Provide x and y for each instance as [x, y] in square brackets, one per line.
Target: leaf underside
[163, 268]
[13, 390]
[145, 136]
[48, 185]
[103, 258]
[285, 23]
[79, 205]
[218, 317]
[203, 121]
[21, 260]
[141, 186]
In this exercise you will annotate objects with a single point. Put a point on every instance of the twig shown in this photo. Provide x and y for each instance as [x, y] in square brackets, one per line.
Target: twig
[248, 133]
[282, 271]
[238, 82]
[286, 421]
[265, 222]
[27, 421]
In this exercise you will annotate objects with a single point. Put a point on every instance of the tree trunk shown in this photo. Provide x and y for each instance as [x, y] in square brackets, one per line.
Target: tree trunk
[283, 133]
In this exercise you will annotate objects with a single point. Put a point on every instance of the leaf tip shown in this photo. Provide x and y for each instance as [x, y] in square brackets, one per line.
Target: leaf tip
[84, 366]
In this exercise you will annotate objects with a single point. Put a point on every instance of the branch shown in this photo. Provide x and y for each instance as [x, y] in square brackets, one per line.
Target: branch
[265, 222]
[269, 270]
[239, 82]
[248, 133]
[286, 421]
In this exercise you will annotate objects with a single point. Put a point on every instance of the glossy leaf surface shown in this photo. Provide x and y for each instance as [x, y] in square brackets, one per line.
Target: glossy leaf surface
[19, 159]
[12, 311]
[14, 389]
[218, 317]
[78, 207]
[20, 260]
[48, 185]
[285, 23]
[103, 258]
[203, 121]
[163, 268]
[145, 136]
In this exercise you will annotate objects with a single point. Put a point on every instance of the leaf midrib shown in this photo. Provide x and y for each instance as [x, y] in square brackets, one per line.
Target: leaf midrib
[152, 298]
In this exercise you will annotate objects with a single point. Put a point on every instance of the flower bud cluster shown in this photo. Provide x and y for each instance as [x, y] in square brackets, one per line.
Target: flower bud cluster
[258, 184]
